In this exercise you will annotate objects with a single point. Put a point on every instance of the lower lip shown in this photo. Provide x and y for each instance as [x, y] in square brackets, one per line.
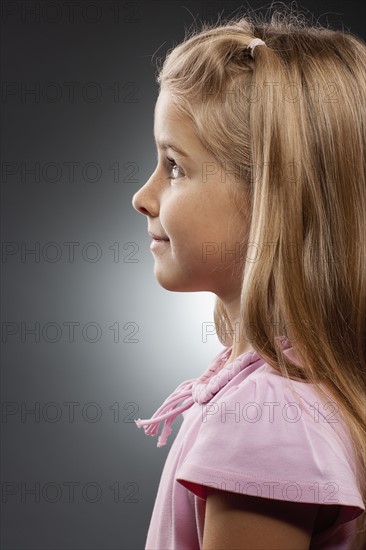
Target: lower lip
[158, 244]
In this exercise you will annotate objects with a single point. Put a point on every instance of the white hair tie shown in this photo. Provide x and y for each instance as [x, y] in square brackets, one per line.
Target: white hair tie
[253, 43]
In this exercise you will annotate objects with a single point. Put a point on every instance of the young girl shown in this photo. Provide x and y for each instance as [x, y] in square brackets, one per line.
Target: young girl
[259, 196]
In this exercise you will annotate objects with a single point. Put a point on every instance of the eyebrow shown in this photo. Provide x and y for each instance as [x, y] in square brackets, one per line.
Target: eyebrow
[169, 145]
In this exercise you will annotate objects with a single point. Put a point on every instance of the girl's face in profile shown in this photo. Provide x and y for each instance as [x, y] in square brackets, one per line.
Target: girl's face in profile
[186, 200]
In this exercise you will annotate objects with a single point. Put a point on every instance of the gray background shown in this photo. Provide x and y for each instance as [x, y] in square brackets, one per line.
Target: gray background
[76, 473]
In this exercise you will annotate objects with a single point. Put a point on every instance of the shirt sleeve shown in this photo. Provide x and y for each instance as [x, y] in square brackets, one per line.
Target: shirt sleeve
[260, 438]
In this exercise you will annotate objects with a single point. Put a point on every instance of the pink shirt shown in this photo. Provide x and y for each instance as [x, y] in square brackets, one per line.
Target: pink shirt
[245, 431]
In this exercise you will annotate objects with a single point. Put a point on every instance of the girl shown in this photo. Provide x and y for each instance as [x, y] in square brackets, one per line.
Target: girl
[259, 196]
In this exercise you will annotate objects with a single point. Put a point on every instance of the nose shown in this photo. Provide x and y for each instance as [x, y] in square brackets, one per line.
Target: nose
[136, 203]
[143, 201]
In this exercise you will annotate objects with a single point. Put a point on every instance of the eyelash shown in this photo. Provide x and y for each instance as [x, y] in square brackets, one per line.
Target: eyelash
[171, 162]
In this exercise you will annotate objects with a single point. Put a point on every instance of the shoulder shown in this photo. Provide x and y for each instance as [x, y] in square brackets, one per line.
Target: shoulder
[271, 409]
[269, 437]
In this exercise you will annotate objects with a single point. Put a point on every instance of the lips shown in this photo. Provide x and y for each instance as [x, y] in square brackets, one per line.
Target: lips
[158, 237]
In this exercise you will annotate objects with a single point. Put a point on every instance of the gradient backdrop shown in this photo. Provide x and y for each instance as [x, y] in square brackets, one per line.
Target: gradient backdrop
[90, 340]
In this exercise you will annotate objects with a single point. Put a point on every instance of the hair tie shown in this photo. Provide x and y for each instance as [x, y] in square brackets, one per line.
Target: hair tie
[253, 43]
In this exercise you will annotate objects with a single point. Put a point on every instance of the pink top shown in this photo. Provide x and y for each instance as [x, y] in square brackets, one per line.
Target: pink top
[245, 431]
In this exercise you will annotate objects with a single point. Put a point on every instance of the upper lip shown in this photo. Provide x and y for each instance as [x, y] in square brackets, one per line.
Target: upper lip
[155, 236]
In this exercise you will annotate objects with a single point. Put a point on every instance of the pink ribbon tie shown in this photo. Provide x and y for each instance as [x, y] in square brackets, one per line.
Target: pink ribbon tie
[168, 411]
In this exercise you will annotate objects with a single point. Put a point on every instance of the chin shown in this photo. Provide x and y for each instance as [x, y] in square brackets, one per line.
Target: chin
[176, 285]
[172, 285]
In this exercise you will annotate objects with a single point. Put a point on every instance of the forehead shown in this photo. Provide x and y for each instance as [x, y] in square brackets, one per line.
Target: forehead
[170, 126]
[165, 107]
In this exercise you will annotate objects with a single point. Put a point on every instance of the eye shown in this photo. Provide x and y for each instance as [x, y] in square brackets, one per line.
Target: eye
[172, 164]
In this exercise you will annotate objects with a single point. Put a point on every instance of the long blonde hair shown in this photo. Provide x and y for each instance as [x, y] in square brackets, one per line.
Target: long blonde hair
[291, 122]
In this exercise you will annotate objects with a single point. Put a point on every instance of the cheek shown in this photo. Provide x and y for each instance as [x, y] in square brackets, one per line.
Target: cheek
[196, 224]
[198, 248]
[178, 213]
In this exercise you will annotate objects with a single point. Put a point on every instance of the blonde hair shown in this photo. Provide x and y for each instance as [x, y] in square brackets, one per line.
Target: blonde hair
[291, 122]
